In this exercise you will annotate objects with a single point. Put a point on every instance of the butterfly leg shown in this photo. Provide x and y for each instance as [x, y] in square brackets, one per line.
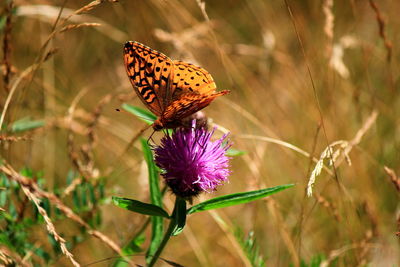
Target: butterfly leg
[151, 139]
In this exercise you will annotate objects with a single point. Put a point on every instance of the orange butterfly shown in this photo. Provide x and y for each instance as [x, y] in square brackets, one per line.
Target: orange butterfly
[171, 89]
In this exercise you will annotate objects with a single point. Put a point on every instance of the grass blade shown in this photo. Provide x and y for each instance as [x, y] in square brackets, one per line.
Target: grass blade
[232, 152]
[250, 247]
[139, 207]
[179, 216]
[235, 199]
[26, 124]
[156, 199]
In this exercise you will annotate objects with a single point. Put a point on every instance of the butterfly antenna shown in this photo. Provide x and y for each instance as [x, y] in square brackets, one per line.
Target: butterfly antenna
[151, 139]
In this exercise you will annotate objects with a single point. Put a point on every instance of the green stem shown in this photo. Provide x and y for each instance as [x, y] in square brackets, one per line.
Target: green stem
[167, 235]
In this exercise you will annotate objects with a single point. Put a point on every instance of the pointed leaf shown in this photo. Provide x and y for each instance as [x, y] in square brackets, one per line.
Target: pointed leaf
[26, 124]
[156, 199]
[142, 114]
[235, 199]
[139, 207]
[235, 152]
[179, 216]
[155, 193]
[132, 248]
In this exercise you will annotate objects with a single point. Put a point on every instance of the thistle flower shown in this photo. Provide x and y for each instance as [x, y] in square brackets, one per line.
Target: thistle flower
[191, 162]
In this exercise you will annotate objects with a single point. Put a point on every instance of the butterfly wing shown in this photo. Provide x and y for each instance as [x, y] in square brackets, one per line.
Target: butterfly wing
[150, 73]
[172, 90]
[193, 89]
[186, 105]
[189, 78]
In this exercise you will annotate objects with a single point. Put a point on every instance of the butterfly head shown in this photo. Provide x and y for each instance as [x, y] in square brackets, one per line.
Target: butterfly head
[158, 125]
[165, 123]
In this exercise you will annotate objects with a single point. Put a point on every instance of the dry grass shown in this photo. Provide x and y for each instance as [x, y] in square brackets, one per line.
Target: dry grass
[299, 81]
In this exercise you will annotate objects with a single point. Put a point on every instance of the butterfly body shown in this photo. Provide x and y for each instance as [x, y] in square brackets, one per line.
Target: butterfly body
[173, 90]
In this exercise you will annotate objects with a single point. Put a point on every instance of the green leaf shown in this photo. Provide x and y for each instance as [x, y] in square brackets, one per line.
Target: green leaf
[231, 152]
[250, 247]
[42, 254]
[2, 22]
[137, 239]
[12, 210]
[27, 172]
[134, 246]
[235, 199]
[92, 194]
[54, 244]
[46, 206]
[4, 181]
[76, 199]
[102, 193]
[156, 199]
[139, 207]
[155, 193]
[83, 193]
[26, 124]
[142, 114]
[3, 197]
[315, 261]
[179, 216]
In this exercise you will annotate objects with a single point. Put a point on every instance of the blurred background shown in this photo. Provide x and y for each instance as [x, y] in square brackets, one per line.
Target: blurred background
[302, 75]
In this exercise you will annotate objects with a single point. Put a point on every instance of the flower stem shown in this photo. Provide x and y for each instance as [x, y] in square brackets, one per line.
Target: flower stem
[167, 234]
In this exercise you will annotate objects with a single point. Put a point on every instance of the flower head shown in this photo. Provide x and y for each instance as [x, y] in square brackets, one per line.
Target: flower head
[192, 163]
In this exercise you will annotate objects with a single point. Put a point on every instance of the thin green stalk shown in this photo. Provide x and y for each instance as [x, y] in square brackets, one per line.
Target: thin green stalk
[167, 235]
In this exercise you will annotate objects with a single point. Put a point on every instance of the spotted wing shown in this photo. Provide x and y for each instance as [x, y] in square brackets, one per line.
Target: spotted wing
[189, 78]
[150, 73]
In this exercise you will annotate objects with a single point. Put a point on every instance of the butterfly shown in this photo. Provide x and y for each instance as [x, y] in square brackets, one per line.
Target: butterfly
[171, 89]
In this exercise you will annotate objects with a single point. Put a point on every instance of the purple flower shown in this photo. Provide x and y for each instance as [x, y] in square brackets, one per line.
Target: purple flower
[191, 162]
